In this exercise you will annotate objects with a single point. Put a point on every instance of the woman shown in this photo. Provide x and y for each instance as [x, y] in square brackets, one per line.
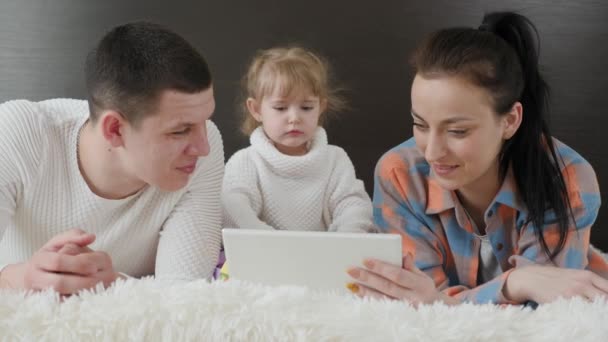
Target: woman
[486, 200]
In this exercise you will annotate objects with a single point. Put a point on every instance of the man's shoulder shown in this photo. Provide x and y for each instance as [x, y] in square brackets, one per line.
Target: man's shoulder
[30, 114]
[216, 144]
[60, 110]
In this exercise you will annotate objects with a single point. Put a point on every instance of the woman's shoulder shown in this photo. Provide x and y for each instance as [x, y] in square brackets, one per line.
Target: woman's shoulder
[403, 170]
[403, 158]
[567, 154]
[579, 176]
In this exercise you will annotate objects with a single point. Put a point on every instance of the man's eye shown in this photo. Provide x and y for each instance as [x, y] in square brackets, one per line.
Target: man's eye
[182, 132]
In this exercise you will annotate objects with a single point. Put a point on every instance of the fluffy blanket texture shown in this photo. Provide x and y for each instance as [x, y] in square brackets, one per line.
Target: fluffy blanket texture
[148, 310]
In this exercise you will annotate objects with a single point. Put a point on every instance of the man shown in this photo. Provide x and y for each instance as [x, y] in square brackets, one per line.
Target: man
[127, 184]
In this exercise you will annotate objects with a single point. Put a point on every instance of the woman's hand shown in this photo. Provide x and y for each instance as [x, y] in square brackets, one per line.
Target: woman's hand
[380, 279]
[544, 284]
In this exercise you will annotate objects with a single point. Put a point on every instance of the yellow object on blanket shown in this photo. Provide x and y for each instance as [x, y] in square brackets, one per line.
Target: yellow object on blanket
[224, 272]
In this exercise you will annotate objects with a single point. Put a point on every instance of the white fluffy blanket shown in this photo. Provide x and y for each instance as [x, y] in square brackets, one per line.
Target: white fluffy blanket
[147, 310]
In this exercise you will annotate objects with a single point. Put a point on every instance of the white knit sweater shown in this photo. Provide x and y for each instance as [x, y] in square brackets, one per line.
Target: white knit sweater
[42, 193]
[265, 189]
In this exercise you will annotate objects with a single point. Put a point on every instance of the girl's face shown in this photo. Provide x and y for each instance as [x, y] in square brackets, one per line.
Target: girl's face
[459, 133]
[289, 121]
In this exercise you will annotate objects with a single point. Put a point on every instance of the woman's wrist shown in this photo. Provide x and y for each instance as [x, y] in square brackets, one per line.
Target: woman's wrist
[514, 287]
[448, 300]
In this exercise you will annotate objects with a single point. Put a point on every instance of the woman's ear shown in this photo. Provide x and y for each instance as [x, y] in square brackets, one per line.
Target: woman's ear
[512, 120]
[253, 106]
[112, 127]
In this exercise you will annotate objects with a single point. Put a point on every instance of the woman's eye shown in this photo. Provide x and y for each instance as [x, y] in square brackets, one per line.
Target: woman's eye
[458, 132]
[419, 126]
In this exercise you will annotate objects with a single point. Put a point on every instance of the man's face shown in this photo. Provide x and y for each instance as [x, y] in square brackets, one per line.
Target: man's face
[164, 149]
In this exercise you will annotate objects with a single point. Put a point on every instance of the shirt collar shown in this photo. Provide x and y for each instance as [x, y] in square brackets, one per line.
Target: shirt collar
[440, 200]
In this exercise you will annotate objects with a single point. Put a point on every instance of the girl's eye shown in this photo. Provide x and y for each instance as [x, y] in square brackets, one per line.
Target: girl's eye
[279, 108]
[307, 108]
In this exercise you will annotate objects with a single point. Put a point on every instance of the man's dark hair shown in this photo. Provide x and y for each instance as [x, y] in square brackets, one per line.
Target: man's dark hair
[134, 63]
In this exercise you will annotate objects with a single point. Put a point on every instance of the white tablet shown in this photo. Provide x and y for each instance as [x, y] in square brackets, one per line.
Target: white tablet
[317, 260]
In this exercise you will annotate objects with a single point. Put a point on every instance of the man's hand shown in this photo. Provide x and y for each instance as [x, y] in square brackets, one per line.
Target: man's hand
[65, 263]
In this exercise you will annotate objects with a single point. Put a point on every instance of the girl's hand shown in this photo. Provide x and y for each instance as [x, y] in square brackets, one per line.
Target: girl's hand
[382, 280]
[544, 284]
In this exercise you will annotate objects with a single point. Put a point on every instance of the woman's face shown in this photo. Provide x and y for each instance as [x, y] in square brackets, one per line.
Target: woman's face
[457, 130]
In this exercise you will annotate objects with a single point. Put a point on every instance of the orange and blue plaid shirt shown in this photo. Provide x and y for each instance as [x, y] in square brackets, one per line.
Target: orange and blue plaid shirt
[437, 231]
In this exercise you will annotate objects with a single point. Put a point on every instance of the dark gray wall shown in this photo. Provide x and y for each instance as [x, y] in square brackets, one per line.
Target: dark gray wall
[43, 45]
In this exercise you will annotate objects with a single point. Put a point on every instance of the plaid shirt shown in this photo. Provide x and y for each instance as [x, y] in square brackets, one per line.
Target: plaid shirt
[437, 231]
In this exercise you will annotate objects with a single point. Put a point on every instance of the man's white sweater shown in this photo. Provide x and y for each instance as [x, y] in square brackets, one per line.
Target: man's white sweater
[265, 189]
[175, 235]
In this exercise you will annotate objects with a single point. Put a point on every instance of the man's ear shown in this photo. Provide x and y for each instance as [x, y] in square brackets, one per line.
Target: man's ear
[112, 127]
[253, 106]
[512, 120]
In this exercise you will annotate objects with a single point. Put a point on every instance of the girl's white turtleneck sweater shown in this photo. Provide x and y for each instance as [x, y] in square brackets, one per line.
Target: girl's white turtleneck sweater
[318, 191]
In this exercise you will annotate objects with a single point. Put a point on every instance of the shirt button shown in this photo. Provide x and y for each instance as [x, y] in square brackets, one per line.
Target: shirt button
[499, 246]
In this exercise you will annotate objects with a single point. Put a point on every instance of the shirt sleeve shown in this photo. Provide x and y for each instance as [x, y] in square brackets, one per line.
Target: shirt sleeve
[20, 145]
[242, 202]
[349, 206]
[584, 197]
[190, 240]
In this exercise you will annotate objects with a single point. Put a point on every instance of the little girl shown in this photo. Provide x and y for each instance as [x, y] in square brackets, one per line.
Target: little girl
[290, 178]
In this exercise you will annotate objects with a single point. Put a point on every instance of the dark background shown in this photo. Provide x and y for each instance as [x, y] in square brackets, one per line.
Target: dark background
[43, 45]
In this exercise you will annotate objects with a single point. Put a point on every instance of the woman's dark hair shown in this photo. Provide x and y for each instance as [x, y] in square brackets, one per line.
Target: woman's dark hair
[501, 56]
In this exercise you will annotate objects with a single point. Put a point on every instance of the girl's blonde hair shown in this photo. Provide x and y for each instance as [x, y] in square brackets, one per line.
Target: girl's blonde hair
[291, 69]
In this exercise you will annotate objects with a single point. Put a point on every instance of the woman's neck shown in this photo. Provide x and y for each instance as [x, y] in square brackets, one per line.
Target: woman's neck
[478, 196]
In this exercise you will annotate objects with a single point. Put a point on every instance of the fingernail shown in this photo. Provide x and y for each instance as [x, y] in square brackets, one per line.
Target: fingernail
[354, 288]
[368, 263]
[353, 272]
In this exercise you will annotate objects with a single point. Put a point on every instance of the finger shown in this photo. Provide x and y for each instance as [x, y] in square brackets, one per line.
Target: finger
[600, 283]
[64, 284]
[101, 260]
[73, 249]
[108, 276]
[410, 265]
[401, 276]
[378, 283]
[64, 263]
[364, 291]
[592, 293]
[76, 236]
